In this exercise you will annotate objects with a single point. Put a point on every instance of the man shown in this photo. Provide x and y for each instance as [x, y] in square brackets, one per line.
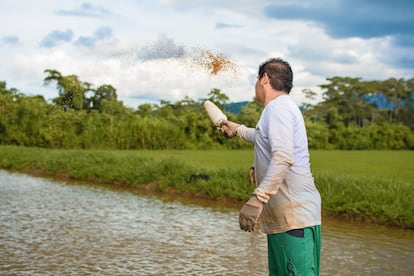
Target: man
[285, 197]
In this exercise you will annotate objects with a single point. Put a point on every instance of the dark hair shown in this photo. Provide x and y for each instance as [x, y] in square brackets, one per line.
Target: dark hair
[279, 72]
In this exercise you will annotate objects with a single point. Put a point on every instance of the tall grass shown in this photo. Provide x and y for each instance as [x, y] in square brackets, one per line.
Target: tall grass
[129, 168]
[372, 185]
[383, 201]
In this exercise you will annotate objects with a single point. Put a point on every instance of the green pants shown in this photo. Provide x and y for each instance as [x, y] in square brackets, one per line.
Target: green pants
[295, 252]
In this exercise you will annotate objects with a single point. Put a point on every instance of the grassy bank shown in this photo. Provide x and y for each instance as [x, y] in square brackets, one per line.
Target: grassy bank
[374, 185]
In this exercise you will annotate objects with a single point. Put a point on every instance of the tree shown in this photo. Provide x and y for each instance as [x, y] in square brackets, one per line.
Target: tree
[318, 135]
[220, 99]
[250, 114]
[144, 110]
[309, 95]
[165, 110]
[71, 89]
[348, 95]
[407, 110]
[399, 93]
[103, 92]
[7, 109]
[345, 119]
[185, 103]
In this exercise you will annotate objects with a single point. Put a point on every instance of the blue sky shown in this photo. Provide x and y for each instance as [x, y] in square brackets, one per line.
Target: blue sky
[146, 49]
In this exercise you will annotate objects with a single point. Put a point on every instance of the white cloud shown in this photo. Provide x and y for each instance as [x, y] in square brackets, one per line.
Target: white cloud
[115, 56]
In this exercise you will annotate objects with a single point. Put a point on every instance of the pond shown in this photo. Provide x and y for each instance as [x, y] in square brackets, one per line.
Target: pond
[53, 227]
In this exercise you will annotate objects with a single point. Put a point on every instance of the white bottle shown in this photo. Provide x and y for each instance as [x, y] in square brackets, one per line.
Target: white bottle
[215, 114]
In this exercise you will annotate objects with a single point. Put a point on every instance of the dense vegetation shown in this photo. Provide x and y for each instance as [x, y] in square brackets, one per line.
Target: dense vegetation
[354, 114]
[380, 189]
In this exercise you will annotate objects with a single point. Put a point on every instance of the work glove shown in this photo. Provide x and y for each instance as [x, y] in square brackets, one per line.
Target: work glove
[229, 128]
[250, 213]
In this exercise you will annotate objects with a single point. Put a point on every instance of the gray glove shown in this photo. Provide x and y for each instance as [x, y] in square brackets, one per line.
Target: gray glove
[250, 213]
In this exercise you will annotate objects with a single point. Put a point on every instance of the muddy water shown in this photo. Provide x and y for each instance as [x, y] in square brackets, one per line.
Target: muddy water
[50, 228]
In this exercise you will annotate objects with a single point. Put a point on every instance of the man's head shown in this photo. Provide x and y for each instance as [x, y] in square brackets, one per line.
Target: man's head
[279, 73]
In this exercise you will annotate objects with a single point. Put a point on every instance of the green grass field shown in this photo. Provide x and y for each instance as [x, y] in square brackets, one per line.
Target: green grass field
[373, 185]
[395, 165]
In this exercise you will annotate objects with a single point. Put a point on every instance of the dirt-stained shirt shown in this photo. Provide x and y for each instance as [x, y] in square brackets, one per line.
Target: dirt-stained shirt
[282, 168]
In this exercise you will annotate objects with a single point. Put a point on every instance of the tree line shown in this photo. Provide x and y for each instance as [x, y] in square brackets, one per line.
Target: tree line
[353, 114]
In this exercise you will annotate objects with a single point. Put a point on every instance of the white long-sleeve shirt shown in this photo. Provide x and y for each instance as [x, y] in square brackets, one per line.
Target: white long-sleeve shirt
[282, 169]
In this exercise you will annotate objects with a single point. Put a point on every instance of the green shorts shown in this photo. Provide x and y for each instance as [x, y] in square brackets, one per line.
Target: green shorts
[296, 252]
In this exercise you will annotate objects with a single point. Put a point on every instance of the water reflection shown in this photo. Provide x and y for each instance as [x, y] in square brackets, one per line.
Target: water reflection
[49, 227]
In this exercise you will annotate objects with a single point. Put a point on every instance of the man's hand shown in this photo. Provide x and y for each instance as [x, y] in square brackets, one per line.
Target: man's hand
[229, 128]
[250, 213]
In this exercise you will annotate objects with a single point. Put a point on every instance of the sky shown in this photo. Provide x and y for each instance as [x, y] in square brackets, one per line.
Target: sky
[150, 50]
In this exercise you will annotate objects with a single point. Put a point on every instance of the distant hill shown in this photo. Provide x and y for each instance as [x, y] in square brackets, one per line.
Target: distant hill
[236, 107]
[380, 101]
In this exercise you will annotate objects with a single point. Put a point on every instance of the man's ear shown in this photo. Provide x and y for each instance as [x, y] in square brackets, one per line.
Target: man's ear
[265, 79]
